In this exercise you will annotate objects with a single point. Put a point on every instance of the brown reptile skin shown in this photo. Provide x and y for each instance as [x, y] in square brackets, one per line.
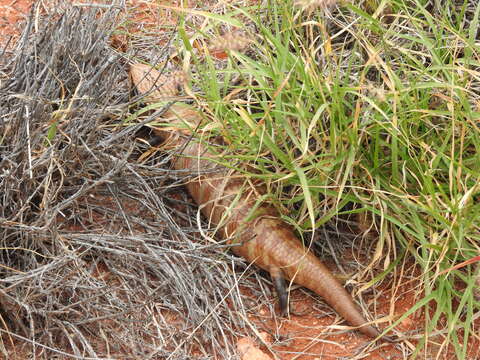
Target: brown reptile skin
[226, 200]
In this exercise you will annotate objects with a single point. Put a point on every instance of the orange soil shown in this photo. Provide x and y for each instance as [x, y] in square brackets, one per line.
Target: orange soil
[12, 12]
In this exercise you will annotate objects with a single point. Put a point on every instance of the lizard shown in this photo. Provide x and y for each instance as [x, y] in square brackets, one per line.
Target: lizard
[254, 229]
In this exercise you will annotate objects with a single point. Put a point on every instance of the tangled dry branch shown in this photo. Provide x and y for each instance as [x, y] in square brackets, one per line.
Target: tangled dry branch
[89, 235]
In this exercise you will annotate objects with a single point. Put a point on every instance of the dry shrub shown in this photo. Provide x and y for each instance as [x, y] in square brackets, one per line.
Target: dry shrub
[99, 256]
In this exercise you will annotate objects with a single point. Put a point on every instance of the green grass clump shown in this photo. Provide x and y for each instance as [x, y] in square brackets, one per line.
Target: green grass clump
[376, 105]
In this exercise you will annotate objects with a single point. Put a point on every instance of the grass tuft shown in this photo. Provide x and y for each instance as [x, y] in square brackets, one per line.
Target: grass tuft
[369, 108]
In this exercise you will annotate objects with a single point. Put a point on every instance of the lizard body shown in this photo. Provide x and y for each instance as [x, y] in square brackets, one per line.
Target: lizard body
[255, 230]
